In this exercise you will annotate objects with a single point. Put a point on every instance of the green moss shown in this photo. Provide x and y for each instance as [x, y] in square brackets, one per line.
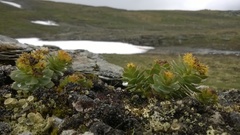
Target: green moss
[54, 131]
[61, 111]
[83, 128]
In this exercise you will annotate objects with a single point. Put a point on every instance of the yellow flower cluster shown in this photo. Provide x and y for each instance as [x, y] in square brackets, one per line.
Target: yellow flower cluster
[64, 56]
[74, 78]
[40, 53]
[201, 68]
[189, 59]
[131, 65]
[33, 63]
[23, 61]
[169, 75]
[193, 62]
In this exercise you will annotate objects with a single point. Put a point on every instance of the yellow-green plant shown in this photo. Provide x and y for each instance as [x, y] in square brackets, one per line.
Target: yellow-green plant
[76, 78]
[59, 62]
[166, 79]
[36, 69]
[207, 96]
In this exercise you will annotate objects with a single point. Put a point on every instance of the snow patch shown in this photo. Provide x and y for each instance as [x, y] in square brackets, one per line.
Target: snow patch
[92, 46]
[11, 4]
[48, 23]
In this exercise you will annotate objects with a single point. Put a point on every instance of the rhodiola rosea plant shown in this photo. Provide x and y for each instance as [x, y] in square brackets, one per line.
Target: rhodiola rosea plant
[175, 79]
[37, 69]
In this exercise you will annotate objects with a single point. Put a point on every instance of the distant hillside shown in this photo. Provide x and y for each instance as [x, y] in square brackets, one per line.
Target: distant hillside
[212, 29]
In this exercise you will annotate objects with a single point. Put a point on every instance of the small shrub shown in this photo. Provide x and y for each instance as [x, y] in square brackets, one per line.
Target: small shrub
[166, 79]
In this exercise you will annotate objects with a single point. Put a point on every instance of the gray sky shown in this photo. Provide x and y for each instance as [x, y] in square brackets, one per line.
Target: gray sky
[162, 4]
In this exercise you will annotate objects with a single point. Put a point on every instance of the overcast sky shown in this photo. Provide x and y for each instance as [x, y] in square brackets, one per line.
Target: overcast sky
[162, 4]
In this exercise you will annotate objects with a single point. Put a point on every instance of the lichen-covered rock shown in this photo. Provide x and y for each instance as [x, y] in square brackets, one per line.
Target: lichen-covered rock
[108, 109]
[5, 128]
[71, 122]
[26, 133]
[69, 132]
[100, 128]
[5, 71]
[83, 104]
[34, 123]
[235, 118]
[229, 97]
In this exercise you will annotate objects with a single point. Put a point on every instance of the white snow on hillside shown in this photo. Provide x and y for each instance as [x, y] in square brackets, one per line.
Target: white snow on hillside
[48, 23]
[92, 46]
[11, 4]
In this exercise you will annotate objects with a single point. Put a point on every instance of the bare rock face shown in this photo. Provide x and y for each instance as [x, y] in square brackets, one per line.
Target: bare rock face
[10, 49]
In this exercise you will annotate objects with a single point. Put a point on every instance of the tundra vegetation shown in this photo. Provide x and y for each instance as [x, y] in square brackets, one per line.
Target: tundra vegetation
[153, 98]
[195, 29]
[162, 97]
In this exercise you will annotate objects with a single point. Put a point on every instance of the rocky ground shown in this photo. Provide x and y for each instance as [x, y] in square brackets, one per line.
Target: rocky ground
[107, 108]
[182, 50]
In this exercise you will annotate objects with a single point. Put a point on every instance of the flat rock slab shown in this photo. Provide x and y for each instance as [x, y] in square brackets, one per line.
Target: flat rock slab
[87, 62]
[10, 49]
[83, 61]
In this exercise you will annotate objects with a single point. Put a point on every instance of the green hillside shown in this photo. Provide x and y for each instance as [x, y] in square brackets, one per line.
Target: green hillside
[212, 29]
[200, 29]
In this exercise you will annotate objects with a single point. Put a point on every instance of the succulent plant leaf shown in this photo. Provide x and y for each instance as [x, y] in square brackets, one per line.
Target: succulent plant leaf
[18, 75]
[44, 81]
[32, 81]
[192, 79]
